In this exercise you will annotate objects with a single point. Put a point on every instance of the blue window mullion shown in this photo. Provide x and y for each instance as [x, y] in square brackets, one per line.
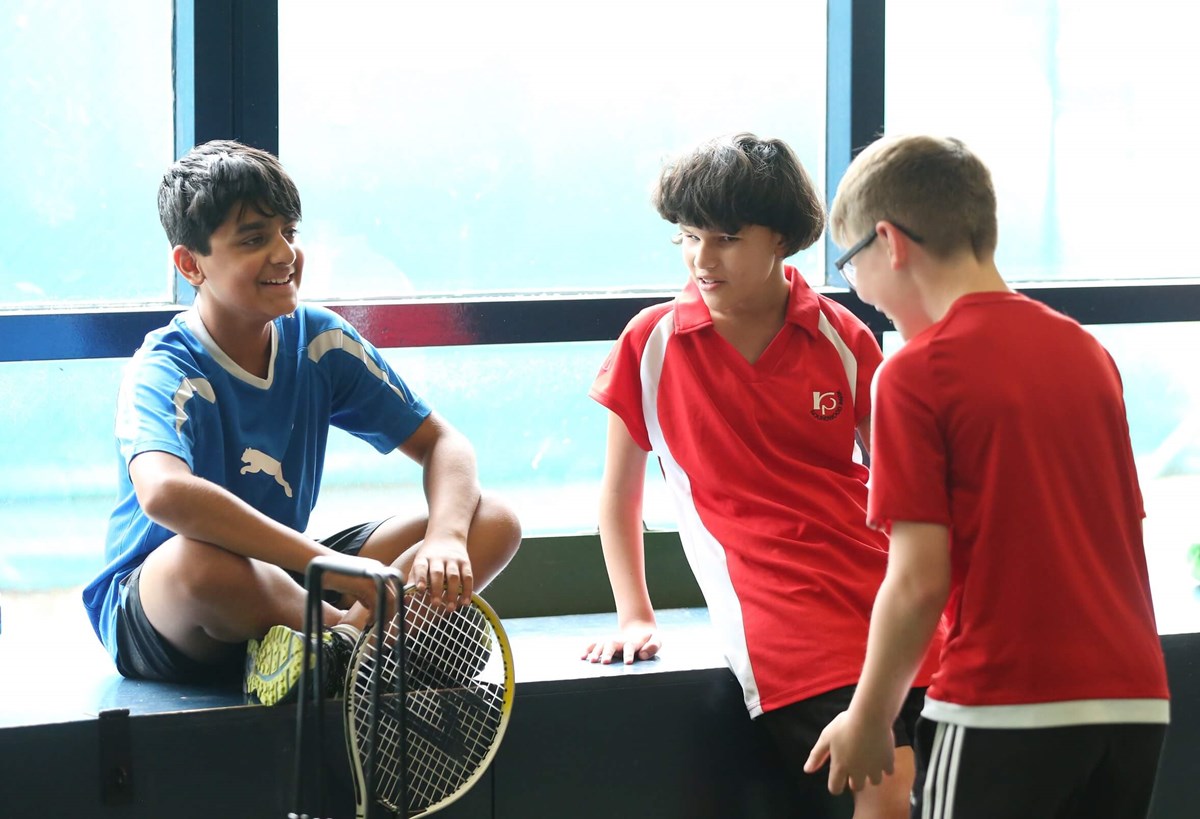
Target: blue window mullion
[854, 94]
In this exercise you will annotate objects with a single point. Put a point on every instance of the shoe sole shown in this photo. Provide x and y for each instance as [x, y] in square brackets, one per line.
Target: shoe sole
[273, 665]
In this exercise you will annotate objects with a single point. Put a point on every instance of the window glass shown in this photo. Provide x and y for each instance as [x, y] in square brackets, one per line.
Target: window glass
[58, 470]
[538, 437]
[88, 123]
[474, 146]
[1078, 107]
[1162, 400]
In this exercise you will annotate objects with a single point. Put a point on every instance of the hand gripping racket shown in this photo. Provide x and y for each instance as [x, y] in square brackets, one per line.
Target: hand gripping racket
[424, 715]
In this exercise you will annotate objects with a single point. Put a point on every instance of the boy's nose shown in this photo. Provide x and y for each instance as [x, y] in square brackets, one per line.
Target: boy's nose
[705, 258]
[282, 251]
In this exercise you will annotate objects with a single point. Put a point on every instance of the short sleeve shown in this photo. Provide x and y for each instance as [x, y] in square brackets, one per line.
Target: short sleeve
[370, 400]
[908, 450]
[157, 406]
[618, 385]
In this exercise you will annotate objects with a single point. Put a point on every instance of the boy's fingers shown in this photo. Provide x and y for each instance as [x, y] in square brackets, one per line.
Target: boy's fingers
[630, 652]
[418, 575]
[817, 757]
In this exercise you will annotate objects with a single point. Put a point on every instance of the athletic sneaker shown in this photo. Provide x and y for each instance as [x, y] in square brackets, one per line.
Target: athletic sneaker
[273, 663]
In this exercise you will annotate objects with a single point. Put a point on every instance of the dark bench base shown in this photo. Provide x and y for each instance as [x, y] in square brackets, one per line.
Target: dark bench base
[657, 740]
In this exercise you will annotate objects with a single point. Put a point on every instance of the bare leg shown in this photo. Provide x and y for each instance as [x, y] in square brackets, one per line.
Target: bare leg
[203, 598]
[492, 540]
[890, 798]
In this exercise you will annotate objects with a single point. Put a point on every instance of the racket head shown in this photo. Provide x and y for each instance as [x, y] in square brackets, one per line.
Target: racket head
[459, 687]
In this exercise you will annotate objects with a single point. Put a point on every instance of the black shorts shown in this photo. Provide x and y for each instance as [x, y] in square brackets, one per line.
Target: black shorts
[144, 654]
[1073, 772]
[795, 729]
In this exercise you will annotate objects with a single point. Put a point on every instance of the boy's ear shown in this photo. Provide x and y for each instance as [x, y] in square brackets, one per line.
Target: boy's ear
[897, 243]
[185, 263]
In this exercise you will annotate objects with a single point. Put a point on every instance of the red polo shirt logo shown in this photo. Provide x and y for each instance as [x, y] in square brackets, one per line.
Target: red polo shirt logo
[827, 405]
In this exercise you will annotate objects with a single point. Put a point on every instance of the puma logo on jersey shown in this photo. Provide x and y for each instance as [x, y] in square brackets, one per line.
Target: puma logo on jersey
[257, 461]
[826, 405]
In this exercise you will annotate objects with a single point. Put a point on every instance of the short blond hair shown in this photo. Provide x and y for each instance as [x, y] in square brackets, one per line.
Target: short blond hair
[935, 187]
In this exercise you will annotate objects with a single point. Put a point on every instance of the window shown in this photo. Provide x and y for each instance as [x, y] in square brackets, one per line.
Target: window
[87, 111]
[469, 146]
[459, 150]
[538, 438]
[455, 148]
[1079, 108]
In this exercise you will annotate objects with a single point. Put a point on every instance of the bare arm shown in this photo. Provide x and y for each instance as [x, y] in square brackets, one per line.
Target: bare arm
[624, 549]
[451, 483]
[859, 741]
[201, 510]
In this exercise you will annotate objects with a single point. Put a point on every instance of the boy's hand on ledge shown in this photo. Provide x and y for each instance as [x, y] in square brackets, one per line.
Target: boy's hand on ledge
[637, 641]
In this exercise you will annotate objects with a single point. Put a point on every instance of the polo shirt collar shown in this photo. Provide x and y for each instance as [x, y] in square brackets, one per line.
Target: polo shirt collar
[691, 313]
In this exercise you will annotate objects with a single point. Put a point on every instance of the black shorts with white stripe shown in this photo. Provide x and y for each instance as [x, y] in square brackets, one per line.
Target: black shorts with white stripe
[1072, 772]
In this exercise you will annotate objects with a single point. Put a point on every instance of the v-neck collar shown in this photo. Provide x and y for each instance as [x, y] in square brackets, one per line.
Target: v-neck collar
[192, 320]
[803, 310]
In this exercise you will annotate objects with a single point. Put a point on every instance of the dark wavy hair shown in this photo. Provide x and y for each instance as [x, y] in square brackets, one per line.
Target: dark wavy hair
[733, 181]
[199, 190]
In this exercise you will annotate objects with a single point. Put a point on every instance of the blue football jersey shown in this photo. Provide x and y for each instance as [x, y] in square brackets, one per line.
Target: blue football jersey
[263, 439]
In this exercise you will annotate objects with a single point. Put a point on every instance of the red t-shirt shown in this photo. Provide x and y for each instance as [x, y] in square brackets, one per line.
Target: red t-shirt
[770, 502]
[1005, 422]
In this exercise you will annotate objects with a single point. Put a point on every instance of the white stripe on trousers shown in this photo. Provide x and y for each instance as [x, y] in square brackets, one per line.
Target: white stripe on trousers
[937, 799]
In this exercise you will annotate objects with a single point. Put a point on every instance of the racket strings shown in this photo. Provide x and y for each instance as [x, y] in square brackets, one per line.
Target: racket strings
[454, 702]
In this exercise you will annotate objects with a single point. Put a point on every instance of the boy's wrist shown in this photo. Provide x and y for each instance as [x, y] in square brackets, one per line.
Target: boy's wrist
[867, 708]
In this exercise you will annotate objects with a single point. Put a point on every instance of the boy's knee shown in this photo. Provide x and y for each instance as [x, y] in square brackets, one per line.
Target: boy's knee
[196, 569]
[498, 521]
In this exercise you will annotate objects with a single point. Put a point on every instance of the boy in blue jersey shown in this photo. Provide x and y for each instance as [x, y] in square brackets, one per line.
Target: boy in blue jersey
[222, 424]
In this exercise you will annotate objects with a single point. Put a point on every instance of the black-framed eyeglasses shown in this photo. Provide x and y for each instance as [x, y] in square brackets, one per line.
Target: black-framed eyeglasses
[846, 267]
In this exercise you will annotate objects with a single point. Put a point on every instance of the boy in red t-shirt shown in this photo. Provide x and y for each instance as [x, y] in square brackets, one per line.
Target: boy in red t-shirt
[750, 388]
[1002, 468]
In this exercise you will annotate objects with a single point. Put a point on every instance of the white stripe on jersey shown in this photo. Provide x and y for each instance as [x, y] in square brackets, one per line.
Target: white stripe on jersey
[704, 553]
[187, 388]
[337, 340]
[849, 362]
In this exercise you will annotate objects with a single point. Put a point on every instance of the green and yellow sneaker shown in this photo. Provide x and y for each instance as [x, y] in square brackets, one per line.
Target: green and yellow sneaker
[273, 663]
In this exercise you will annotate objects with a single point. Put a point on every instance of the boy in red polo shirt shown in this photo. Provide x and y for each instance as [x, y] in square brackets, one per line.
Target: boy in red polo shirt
[750, 388]
[1003, 469]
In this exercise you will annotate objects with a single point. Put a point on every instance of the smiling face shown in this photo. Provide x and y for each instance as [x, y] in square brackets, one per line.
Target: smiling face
[251, 274]
[735, 271]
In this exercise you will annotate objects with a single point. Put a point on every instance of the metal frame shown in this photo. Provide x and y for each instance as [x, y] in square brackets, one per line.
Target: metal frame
[116, 333]
[313, 636]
